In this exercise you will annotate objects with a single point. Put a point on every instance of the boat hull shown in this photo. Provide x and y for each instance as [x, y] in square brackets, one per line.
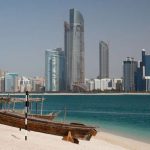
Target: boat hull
[78, 131]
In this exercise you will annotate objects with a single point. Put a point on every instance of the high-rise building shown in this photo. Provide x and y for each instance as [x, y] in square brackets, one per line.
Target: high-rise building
[54, 70]
[11, 82]
[145, 67]
[2, 84]
[2, 81]
[103, 60]
[140, 83]
[74, 49]
[129, 73]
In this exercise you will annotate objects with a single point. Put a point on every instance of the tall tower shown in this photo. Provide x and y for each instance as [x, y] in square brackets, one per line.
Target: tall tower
[103, 60]
[129, 72]
[74, 49]
[54, 70]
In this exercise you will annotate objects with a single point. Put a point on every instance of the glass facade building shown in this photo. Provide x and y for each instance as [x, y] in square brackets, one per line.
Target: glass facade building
[54, 70]
[103, 60]
[129, 73]
[74, 49]
[147, 65]
[11, 82]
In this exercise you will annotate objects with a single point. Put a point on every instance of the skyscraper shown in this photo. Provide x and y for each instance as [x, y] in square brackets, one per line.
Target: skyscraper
[145, 70]
[103, 60]
[2, 81]
[129, 72]
[54, 70]
[74, 49]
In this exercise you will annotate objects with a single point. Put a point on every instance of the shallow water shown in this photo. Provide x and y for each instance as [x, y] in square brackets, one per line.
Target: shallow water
[127, 115]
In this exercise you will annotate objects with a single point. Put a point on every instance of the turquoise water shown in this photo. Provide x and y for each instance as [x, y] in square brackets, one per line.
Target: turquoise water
[127, 115]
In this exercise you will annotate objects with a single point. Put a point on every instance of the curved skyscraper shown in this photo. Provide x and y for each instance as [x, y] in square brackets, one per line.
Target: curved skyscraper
[103, 60]
[74, 49]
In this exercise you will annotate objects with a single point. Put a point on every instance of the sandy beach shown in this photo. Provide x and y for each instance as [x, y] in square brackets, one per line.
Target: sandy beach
[13, 139]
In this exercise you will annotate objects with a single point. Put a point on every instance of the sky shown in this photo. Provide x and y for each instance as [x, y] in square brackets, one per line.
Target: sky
[29, 27]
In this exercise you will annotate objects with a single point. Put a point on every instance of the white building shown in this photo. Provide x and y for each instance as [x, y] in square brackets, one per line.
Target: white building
[97, 84]
[25, 84]
[106, 84]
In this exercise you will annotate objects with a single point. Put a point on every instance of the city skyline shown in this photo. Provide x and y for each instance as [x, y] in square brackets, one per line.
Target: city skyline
[29, 27]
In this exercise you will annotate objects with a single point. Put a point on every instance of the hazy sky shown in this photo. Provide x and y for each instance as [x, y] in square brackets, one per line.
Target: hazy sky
[29, 27]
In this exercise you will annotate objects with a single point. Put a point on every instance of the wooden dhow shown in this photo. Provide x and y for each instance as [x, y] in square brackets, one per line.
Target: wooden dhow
[49, 116]
[71, 132]
[13, 100]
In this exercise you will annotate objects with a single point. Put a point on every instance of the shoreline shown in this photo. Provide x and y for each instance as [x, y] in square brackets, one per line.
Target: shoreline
[126, 136]
[61, 94]
[12, 138]
[123, 141]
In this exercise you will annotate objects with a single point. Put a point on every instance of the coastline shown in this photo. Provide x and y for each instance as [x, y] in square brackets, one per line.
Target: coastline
[88, 94]
[125, 142]
[12, 138]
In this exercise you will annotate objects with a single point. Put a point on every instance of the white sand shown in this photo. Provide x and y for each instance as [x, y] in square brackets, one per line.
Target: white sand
[13, 139]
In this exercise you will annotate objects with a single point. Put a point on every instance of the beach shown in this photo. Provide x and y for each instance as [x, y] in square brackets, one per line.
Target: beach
[13, 139]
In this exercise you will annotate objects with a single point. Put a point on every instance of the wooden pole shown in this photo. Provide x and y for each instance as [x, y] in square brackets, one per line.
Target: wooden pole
[13, 101]
[36, 107]
[26, 114]
[65, 114]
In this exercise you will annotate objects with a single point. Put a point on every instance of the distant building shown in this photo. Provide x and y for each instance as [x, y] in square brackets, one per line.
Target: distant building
[103, 60]
[54, 70]
[101, 85]
[74, 50]
[2, 81]
[2, 84]
[140, 83]
[97, 84]
[90, 84]
[11, 82]
[129, 73]
[106, 84]
[147, 65]
[117, 85]
[2, 73]
[145, 71]
[38, 84]
[25, 84]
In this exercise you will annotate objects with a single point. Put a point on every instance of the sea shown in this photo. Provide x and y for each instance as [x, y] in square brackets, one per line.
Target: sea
[124, 115]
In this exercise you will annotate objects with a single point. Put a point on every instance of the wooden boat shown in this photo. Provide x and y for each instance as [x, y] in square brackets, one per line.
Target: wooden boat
[71, 132]
[49, 116]
[14, 100]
